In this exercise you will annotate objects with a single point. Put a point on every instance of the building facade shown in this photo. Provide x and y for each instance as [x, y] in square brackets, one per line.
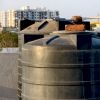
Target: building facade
[3, 19]
[12, 17]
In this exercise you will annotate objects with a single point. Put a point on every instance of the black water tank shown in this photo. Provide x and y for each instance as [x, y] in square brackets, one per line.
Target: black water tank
[56, 69]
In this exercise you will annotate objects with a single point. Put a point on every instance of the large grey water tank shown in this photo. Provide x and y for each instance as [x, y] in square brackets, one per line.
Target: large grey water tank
[59, 68]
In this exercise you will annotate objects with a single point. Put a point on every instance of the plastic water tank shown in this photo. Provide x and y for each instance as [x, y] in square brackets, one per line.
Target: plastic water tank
[61, 68]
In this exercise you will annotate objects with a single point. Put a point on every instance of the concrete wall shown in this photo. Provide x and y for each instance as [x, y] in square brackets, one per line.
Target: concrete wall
[8, 76]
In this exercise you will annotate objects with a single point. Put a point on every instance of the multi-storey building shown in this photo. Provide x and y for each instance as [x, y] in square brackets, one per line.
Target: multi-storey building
[13, 16]
[3, 19]
[10, 18]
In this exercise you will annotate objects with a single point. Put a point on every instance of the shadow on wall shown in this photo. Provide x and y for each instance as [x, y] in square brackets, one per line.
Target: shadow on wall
[8, 93]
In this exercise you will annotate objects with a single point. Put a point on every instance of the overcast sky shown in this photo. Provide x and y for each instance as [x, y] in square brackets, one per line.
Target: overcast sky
[67, 8]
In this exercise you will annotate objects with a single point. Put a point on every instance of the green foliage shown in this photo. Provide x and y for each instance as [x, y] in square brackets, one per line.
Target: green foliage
[8, 39]
[92, 26]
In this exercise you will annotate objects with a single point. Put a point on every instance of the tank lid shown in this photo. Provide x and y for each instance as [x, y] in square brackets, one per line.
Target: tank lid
[68, 42]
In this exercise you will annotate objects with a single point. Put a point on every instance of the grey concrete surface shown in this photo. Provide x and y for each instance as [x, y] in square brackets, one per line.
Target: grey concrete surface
[8, 76]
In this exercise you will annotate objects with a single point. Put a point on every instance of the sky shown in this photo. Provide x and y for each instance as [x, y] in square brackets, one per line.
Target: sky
[67, 8]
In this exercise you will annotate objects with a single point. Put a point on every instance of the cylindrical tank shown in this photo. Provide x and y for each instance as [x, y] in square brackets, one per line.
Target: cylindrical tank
[59, 68]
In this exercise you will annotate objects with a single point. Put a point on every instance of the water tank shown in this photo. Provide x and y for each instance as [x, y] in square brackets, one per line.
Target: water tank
[60, 68]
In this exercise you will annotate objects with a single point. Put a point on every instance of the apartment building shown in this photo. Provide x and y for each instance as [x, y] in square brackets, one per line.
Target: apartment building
[3, 19]
[12, 17]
